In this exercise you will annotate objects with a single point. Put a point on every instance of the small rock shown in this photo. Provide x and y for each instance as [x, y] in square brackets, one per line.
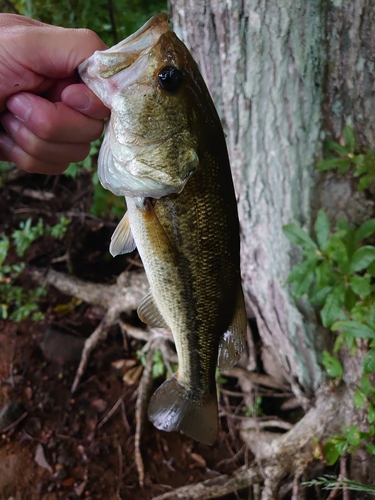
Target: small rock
[9, 413]
[61, 347]
[99, 405]
[40, 458]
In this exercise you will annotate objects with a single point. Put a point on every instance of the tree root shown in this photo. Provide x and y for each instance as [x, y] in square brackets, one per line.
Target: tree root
[278, 455]
[123, 297]
[214, 488]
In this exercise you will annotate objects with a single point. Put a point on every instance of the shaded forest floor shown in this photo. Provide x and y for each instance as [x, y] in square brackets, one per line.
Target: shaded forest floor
[55, 445]
[75, 446]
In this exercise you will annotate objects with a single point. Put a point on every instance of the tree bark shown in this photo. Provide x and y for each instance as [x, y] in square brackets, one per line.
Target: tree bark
[284, 75]
[264, 64]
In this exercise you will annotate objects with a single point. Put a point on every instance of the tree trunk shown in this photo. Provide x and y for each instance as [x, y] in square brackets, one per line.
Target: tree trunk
[277, 84]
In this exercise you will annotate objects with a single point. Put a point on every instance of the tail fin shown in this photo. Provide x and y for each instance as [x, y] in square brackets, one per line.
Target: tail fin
[173, 408]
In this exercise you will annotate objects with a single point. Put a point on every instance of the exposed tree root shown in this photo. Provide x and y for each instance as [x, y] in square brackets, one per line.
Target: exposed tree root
[277, 456]
[217, 487]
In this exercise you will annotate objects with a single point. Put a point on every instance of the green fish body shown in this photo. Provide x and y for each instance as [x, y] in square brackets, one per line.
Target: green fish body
[165, 151]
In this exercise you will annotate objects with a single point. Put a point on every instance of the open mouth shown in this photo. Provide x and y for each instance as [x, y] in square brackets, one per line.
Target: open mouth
[126, 55]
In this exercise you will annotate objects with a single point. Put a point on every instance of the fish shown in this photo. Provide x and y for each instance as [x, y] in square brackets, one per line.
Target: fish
[164, 149]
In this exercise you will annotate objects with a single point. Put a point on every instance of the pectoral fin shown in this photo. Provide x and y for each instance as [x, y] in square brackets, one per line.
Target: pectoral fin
[122, 240]
[149, 313]
[233, 341]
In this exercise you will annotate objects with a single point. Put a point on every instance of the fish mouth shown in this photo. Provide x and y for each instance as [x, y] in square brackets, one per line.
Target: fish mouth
[102, 65]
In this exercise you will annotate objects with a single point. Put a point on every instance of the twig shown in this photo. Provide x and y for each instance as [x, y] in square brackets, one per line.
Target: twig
[217, 487]
[120, 469]
[344, 475]
[144, 389]
[33, 193]
[14, 424]
[124, 418]
[110, 413]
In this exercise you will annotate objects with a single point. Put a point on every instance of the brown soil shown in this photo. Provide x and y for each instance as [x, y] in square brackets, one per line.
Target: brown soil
[57, 446]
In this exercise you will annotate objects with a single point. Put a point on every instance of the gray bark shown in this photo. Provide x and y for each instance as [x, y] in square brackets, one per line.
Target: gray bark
[264, 64]
[283, 75]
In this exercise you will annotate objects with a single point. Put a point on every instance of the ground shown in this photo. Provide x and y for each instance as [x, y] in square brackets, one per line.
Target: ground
[58, 445]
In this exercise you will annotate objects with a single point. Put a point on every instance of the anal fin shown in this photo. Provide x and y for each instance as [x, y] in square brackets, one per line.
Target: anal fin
[149, 313]
[233, 342]
[122, 240]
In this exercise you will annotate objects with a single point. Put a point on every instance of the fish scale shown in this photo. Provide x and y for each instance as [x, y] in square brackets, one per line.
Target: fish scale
[181, 213]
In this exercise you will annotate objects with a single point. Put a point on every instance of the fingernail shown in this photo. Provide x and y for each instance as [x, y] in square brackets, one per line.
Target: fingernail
[10, 123]
[20, 106]
[77, 100]
[6, 143]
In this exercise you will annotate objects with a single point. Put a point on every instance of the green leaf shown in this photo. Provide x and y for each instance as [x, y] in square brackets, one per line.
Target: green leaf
[365, 180]
[362, 258]
[302, 276]
[360, 285]
[370, 414]
[349, 138]
[297, 235]
[370, 448]
[332, 365]
[318, 295]
[369, 362]
[359, 399]
[355, 328]
[323, 274]
[331, 452]
[339, 253]
[322, 229]
[371, 269]
[341, 150]
[366, 387]
[332, 307]
[343, 164]
[365, 230]
[327, 164]
[353, 435]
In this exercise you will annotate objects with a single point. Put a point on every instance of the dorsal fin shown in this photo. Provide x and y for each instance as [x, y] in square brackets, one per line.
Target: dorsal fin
[122, 240]
[233, 342]
[149, 313]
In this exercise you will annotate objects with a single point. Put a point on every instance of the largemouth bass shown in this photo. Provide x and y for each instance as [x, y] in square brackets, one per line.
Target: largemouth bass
[164, 150]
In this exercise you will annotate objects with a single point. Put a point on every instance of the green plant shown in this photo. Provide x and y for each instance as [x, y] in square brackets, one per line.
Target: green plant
[362, 165]
[159, 368]
[333, 482]
[337, 274]
[17, 303]
[254, 410]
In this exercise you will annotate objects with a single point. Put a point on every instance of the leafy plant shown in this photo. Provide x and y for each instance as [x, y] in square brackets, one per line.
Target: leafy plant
[362, 165]
[333, 482]
[256, 409]
[337, 274]
[159, 368]
[16, 303]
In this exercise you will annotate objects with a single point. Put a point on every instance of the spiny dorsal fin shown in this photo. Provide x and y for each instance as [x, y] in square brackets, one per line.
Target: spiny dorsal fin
[149, 313]
[122, 240]
[232, 343]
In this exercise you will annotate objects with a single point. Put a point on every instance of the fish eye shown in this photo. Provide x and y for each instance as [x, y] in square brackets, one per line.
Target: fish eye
[170, 78]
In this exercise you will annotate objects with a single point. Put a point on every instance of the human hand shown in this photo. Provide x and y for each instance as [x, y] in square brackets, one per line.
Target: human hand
[49, 118]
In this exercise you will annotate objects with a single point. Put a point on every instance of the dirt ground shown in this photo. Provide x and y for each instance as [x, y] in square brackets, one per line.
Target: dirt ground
[54, 445]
